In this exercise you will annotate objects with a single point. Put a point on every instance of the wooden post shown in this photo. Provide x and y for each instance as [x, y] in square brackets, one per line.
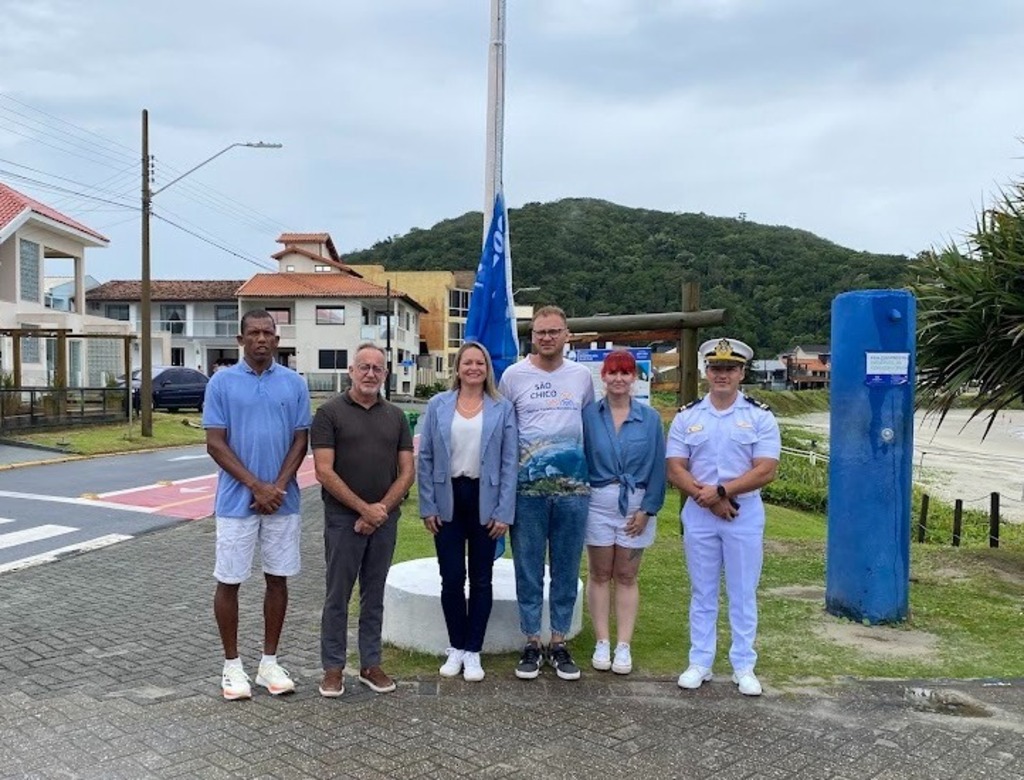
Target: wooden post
[16, 356]
[958, 521]
[60, 374]
[688, 347]
[128, 377]
[993, 520]
[922, 522]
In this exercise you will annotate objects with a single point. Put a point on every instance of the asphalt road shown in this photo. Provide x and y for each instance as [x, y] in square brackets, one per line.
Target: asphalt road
[52, 509]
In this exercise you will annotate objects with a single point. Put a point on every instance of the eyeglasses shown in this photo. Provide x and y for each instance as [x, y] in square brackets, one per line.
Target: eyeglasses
[369, 368]
[550, 333]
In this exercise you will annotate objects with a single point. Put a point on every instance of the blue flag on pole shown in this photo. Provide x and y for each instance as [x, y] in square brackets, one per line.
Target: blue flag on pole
[491, 319]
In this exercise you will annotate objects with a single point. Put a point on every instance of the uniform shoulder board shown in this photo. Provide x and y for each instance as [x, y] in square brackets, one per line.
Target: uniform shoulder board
[694, 402]
[757, 403]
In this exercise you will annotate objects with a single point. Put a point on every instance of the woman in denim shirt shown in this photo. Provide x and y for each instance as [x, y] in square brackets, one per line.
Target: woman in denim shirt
[625, 448]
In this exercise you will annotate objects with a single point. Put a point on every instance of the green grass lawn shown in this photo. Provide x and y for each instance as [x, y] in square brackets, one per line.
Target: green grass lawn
[969, 602]
[169, 430]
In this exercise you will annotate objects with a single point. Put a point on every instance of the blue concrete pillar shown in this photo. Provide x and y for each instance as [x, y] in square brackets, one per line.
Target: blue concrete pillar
[871, 451]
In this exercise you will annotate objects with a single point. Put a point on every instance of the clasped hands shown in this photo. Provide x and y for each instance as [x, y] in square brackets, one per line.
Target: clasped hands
[707, 497]
[267, 498]
[495, 529]
[372, 518]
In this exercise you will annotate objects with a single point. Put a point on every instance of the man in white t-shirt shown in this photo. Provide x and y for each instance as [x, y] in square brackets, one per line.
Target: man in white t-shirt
[552, 494]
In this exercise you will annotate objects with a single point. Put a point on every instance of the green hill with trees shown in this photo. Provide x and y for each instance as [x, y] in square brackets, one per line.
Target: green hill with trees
[591, 256]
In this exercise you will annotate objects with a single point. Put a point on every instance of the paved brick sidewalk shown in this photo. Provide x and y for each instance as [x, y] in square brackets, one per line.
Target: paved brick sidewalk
[109, 669]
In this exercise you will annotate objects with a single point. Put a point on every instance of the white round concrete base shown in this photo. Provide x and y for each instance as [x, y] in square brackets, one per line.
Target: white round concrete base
[413, 619]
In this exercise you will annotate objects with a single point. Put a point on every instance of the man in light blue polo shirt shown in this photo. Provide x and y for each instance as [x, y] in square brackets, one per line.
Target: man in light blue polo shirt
[257, 417]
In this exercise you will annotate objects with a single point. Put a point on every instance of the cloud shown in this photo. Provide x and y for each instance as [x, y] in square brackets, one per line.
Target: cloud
[878, 125]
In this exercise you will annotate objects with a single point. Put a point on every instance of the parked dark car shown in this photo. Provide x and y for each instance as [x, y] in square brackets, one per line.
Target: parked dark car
[174, 388]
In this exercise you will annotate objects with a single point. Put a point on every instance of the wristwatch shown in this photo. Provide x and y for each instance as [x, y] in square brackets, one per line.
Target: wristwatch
[721, 491]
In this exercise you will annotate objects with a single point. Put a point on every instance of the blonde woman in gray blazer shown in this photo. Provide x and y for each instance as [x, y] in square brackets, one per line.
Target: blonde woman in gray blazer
[467, 468]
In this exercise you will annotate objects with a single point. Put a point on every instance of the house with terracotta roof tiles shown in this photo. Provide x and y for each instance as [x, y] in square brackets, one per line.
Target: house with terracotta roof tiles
[325, 309]
[194, 322]
[32, 235]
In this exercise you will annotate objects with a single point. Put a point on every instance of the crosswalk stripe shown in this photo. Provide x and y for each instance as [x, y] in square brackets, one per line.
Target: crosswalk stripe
[33, 534]
[52, 555]
[6, 520]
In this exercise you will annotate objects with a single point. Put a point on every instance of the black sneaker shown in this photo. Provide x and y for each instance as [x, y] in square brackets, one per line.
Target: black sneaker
[558, 657]
[530, 662]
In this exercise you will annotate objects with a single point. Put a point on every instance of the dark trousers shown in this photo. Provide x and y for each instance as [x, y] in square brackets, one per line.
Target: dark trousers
[350, 556]
[467, 622]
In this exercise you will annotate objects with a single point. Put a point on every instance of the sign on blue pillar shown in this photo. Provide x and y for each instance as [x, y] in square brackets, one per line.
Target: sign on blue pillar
[871, 451]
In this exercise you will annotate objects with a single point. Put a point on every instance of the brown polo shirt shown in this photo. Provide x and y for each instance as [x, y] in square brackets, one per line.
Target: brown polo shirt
[366, 443]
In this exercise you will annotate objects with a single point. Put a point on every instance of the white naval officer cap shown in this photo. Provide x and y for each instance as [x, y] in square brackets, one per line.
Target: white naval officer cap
[726, 351]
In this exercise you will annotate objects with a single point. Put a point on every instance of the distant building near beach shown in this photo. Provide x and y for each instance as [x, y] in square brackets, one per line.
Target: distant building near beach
[808, 367]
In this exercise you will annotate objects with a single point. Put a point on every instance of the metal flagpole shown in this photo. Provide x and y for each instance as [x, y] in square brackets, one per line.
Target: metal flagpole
[495, 110]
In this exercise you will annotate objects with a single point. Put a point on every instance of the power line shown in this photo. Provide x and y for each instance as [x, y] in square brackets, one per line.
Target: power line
[212, 236]
[257, 263]
[58, 188]
[109, 141]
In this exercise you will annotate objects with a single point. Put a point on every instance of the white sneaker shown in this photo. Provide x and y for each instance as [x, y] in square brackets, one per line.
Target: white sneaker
[694, 677]
[748, 683]
[453, 665]
[602, 658]
[623, 663]
[472, 671]
[275, 679]
[235, 683]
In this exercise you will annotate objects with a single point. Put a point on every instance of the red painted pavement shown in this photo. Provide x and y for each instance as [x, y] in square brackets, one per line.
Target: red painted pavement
[189, 499]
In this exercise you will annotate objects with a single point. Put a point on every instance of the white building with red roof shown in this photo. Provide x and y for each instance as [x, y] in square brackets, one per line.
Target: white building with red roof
[323, 308]
[31, 233]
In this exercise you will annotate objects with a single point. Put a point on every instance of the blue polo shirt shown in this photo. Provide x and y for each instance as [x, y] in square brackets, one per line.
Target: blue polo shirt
[260, 413]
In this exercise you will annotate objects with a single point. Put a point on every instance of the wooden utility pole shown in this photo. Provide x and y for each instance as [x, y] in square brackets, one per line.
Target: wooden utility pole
[146, 347]
[688, 347]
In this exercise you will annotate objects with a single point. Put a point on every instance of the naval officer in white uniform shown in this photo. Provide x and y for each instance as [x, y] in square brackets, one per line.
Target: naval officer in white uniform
[721, 451]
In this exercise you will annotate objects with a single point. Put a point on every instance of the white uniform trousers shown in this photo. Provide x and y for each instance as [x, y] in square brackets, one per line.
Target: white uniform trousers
[711, 545]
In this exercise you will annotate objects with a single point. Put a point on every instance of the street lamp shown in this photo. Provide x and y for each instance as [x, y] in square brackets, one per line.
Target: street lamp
[146, 380]
[524, 289]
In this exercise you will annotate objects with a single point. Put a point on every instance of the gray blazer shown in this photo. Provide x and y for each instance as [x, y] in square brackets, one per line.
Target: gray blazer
[499, 452]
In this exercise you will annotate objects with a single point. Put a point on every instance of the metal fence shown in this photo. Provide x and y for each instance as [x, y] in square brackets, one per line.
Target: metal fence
[47, 407]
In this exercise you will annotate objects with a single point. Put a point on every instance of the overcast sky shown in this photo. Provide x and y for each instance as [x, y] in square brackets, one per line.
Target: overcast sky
[881, 125]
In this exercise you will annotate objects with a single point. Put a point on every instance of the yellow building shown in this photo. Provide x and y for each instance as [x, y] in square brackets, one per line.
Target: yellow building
[445, 294]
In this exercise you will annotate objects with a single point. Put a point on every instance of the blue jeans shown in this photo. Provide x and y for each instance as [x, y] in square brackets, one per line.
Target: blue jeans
[545, 526]
[467, 622]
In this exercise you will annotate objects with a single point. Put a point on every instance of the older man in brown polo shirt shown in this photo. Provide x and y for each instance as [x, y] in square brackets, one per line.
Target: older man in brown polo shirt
[363, 451]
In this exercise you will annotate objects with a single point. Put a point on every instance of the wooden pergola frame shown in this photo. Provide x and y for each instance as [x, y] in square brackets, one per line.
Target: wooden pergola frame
[60, 363]
[678, 326]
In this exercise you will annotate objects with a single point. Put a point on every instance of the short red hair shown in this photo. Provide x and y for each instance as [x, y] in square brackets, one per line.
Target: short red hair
[619, 361]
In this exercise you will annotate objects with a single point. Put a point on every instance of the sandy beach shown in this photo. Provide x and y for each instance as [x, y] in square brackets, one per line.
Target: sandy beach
[953, 461]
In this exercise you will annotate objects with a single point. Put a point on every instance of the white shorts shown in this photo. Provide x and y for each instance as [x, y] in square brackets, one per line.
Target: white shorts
[236, 544]
[606, 527]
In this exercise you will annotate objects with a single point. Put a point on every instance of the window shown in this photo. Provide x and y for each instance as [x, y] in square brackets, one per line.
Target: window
[289, 268]
[456, 334]
[172, 318]
[116, 311]
[177, 356]
[29, 271]
[29, 345]
[321, 269]
[226, 316]
[333, 359]
[330, 315]
[439, 364]
[281, 316]
[458, 303]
